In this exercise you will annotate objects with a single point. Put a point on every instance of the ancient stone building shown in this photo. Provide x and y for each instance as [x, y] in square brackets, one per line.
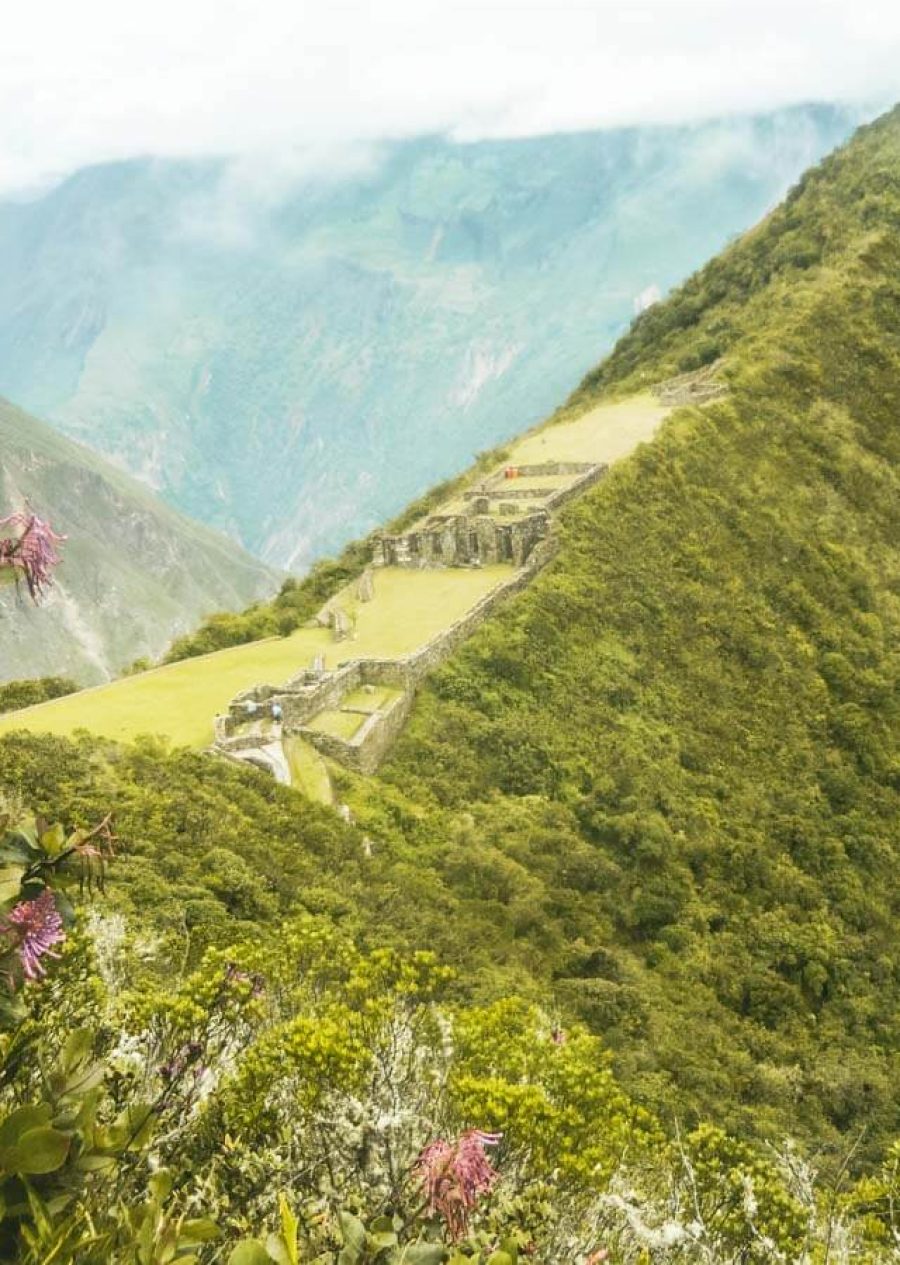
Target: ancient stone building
[500, 520]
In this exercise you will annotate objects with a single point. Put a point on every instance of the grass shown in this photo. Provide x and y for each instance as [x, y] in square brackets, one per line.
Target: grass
[370, 700]
[337, 723]
[604, 433]
[180, 700]
[309, 773]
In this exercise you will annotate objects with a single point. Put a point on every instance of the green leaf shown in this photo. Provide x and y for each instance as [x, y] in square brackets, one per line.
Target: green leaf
[161, 1184]
[53, 840]
[278, 1250]
[289, 1227]
[41, 1150]
[200, 1230]
[95, 1163]
[21, 1121]
[500, 1258]
[354, 1234]
[17, 850]
[10, 882]
[250, 1253]
[77, 1050]
[380, 1239]
[423, 1254]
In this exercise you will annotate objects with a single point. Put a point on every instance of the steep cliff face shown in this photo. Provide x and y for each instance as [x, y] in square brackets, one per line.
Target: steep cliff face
[135, 572]
[293, 358]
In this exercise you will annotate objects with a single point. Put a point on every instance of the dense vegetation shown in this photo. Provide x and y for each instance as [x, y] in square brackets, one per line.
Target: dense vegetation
[17, 694]
[294, 1098]
[646, 820]
[672, 766]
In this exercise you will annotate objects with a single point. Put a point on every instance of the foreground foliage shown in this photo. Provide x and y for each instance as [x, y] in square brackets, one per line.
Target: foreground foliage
[296, 1083]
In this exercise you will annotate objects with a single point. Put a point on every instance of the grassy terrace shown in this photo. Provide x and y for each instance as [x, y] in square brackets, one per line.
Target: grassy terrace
[369, 700]
[337, 723]
[604, 433]
[180, 700]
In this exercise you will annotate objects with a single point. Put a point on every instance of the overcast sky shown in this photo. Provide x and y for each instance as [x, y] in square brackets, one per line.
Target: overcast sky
[83, 81]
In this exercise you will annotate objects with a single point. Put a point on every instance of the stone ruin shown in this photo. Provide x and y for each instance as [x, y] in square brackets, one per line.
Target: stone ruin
[499, 520]
[505, 518]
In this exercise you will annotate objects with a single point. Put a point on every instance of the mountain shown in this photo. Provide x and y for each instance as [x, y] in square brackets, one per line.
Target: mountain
[290, 356]
[135, 573]
[648, 816]
[669, 774]
[659, 790]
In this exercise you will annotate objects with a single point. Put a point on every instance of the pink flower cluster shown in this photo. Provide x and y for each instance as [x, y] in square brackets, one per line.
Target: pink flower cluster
[35, 926]
[454, 1175]
[32, 550]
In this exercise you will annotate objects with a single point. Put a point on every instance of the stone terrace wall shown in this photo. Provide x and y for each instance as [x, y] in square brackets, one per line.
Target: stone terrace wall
[367, 748]
[562, 495]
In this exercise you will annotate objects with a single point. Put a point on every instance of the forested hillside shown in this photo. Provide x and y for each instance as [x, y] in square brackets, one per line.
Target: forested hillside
[645, 821]
[668, 776]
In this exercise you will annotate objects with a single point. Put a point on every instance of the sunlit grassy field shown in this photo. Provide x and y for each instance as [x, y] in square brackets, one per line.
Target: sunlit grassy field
[180, 700]
[337, 723]
[308, 770]
[604, 433]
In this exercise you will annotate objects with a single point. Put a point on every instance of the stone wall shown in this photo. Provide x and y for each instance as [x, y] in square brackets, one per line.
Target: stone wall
[366, 749]
[561, 496]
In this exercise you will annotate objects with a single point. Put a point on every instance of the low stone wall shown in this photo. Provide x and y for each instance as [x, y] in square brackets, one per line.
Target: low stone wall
[300, 705]
[366, 749]
[562, 495]
[243, 742]
[696, 387]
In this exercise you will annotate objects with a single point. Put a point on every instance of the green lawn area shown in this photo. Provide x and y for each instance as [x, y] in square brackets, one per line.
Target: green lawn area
[370, 700]
[309, 773]
[337, 723]
[180, 700]
[604, 433]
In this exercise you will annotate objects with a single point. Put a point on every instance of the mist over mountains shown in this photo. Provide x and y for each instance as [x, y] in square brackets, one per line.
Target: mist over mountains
[291, 354]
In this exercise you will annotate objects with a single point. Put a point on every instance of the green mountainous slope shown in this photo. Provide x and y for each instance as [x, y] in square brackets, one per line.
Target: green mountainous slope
[660, 790]
[292, 357]
[667, 778]
[135, 572]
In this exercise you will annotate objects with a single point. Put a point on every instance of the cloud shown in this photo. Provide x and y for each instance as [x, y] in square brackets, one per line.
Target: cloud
[99, 80]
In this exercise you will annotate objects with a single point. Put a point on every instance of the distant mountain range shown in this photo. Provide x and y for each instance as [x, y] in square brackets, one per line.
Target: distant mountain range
[135, 573]
[291, 358]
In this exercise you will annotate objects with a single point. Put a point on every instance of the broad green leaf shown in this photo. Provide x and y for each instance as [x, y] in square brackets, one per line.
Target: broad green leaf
[378, 1240]
[423, 1254]
[20, 1121]
[77, 1050]
[354, 1234]
[278, 1250]
[161, 1184]
[249, 1253]
[200, 1230]
[41, 1150]
[53, 840]
[10, 882]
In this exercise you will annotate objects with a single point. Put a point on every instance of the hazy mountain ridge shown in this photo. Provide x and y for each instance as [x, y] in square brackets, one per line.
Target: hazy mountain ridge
[135, 572]
[292, 357]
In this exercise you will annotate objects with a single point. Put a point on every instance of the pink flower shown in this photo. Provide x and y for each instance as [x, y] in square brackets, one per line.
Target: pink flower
[454, 1174]
[36, 925]
[32, 551]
